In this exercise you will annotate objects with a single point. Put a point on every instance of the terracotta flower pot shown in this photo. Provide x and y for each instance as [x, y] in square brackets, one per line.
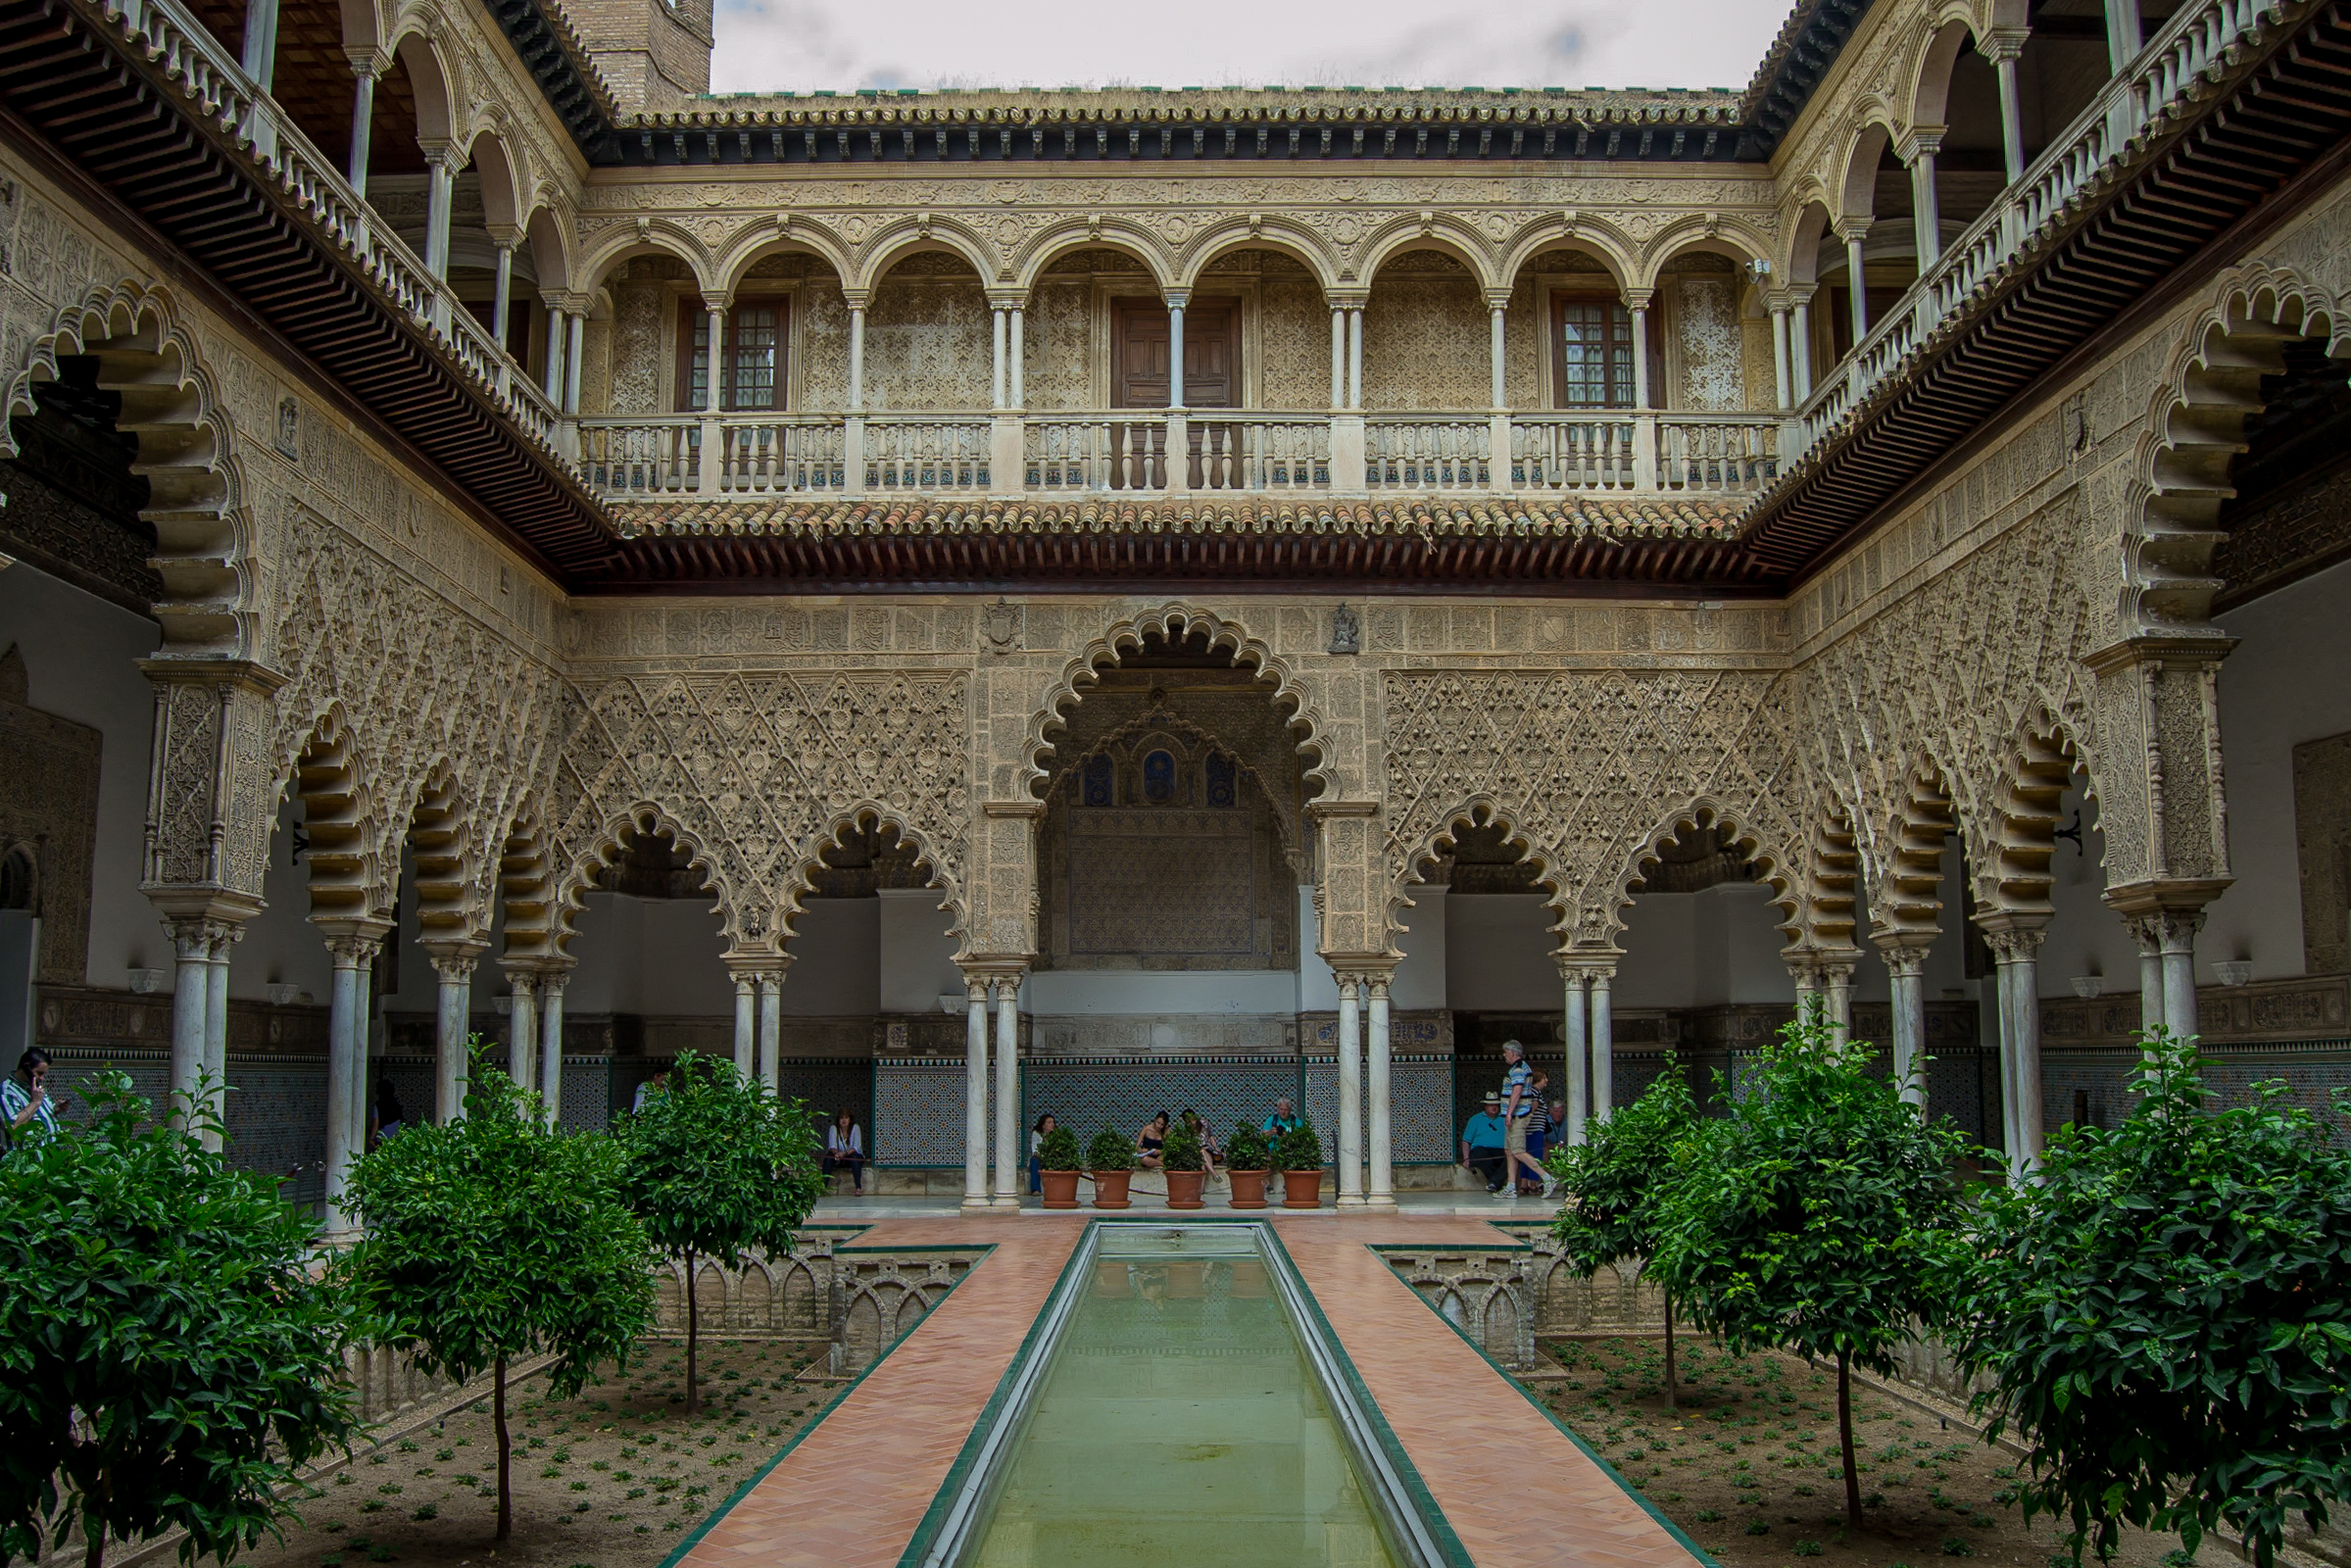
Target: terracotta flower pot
[1061, 1187]
[1302, 1189]
[1110, 1188]
[1249, 1188]
[1184, 1189]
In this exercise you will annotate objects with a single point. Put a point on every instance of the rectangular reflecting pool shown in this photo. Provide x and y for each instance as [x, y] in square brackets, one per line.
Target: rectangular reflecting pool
[1180, 1403]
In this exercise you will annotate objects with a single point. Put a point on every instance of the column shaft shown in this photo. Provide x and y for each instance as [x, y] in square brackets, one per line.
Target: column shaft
[191, 1004]
[1641, 356]
[715, 387]
[2012, 119]
[1018, 352]
[1579, 1061]
[1010, 1172]
[1781, 383]
[456, 1002]
[1905, 969]
[580, 328]
[215, 1034]
[1924, 204]
[501, 307]
[1175, 358]
[747, 1024]
[857, 358]
[2149, 931]
[343, 1064]
[439, 183]
[1604, 1049]
[2179, 971]
[1350, 1092]
[1383, 1158]
[521, 1029]
[362, 126]
[2026, 980]
[2122, 33]
[1337, 356]
[996, 318]
[975, 1094]
[555, 356]
[1494, 354]
[261, 42]
[1355, 355]
[1799, 350]
[1857, 289]
[771, 1031]
[362, 1052]
[551, 1030]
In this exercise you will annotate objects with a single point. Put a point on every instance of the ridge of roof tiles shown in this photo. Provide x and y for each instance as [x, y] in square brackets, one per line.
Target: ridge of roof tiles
[1009, 106]
[1645, 518]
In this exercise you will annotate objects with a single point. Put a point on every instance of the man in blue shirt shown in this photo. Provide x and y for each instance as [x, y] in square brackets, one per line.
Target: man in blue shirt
[1482, 1143]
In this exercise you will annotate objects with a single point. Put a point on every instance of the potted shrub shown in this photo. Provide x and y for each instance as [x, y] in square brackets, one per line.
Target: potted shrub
[1187, 1171]
[1246, 1160]
[1110, 1161]
[1058, 1162]
[1298, 1155]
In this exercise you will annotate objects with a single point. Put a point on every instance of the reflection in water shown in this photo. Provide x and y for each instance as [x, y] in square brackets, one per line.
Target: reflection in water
[1180, 1423]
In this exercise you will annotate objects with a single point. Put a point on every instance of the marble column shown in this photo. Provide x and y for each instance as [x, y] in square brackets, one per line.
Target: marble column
[1782, 381]
[1578, 1065]
[1350, 1092]
[555, 350]
[2147, 930]
[1603, 1046]
[441, 163]
[1337, 356]
[453, 965]
[2015, 947]
[714, 389]
[551, 1031]
[2003, 53]
[1013, 368]
[2178, 947]
[1382, 1193]
[2124, 33]
[1010, 1163]
[353, 945]
[1906, 969]
[1800, 346]
[521, 1026]
[1926, 213]
[191, 1003]
[365, 67]
[215, 1031]
[571, 361]
[1638, 306]
[502, 306]
[1805, 972]
[1857, 288]
[1355, 355]
[856, 357]
[998, 332]
[975, 1092]
[1836, 980]
[1495, 362]
[747, 1022]
[771, 1029]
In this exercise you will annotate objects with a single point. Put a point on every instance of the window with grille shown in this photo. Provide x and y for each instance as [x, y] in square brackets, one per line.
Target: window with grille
[751, 366]
[1594, 349]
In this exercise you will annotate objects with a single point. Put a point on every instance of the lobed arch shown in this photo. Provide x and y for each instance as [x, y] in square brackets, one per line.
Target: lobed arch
[1774, 862]
[2194, 430]
[652, 236]
[1285, 823]
[1028, 264]
[441, 842]
[1734, 239]
[801, 240]
[1832, 884]
[1440, 232]
[864, 817]
[1906, 875]
[648, 819]
[1597, 239]
[1278, 234]
[339, 821]
[1480, 810]
[2013, 876]
[895, 242]
[187, 444]
[1175, 623]
[525, 882]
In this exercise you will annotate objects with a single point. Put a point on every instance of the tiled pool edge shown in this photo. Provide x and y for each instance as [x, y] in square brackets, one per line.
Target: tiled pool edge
[1632, 1493]
[694, 1537]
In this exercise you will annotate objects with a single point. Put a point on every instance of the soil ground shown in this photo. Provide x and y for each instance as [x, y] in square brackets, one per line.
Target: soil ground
[1748, 1463]
[612, 1479]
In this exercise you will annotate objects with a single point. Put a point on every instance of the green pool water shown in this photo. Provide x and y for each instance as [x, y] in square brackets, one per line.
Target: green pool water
[1179, 1423]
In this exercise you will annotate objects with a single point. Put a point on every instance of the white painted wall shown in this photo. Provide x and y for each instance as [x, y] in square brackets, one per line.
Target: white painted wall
[1497, 954]
[2285, 684]
[79, 653]
[1420, 980]
[658, 956]
[280, 946]
[1316, 988]
[915, 954]
[1062, 993]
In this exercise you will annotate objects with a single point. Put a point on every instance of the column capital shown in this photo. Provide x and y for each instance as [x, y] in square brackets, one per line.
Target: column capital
[442, 156]
[756, 965]
[1902, 961]
[505, 236]
[1587, 963]
[367, 63]
[2013, 943]
[1347, 299]
[1638, 299]
[1499, 299]
[352, 938]
[1853, 230]
[856, 299]
[1176, 299]
[1837, 967]
[1927, 139]
[454, 959]
[2002, 45]
[1009, 299]
[1799, 295]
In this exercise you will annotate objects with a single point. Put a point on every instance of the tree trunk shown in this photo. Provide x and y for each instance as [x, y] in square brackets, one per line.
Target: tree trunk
[1844, 1437]
[93, 1525]
[693, 1393]
[506, 1495]
[1673, 1400]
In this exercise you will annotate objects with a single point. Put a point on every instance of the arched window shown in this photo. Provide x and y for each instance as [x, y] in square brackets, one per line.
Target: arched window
[1095, 788]
[1222, 778]
[1159, 777]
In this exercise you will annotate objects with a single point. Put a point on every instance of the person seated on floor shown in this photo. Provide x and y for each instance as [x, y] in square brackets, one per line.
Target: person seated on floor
[845, 1150]
[1150, 1140]
[1482, 1143]
[1210, 1155]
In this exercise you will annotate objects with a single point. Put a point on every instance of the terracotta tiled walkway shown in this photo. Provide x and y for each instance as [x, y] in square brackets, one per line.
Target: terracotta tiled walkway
[1474, 1439]
[852, 1494]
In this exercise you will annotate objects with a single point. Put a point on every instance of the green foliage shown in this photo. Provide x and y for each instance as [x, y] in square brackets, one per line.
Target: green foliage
[1298, 1149]
[1245, 1149]
[496, 1237]
[1812, 1218]
[1615, 1184]
[1112, 1149]
[717, 1166]
[2166, 1316]
[166, 1358]
[1180, 1150]
[1059, 1150]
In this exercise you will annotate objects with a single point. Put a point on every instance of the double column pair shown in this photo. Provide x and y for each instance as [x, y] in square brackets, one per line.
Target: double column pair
[1011, 1153]
[759, 1017]
[1362, 1002]
[1590, 1033]
[200, 945]
[534, 1033]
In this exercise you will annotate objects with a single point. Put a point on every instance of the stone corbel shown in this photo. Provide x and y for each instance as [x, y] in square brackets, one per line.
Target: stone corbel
[211, 800]
[2165, 800]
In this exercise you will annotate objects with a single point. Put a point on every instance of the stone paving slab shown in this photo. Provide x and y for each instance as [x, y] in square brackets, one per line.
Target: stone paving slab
[853, 1491]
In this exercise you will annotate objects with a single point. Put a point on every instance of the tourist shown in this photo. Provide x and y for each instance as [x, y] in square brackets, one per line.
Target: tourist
[1538, 1129]
[1284, 1119]
[657, 1084]
[1482, 1143]
[24, 1098]
[390, 1117]
[1150, 1140]
[1518, 1103]
[845, 1150]
[1045, 1124]
[1209, 1154]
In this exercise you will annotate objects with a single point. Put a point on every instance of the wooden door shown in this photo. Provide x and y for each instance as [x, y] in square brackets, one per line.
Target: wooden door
[1212, 355]
[1139, 353]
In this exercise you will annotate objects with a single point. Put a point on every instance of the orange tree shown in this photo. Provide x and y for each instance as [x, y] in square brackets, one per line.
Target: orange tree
[2165, 1316]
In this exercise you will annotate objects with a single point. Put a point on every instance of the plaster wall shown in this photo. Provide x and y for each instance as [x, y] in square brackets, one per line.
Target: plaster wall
[915, 954]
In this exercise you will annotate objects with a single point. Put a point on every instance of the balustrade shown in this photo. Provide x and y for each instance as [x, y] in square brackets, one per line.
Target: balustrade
[1428, 454]
[926, 454]
[1724, 453]
[1572, 452]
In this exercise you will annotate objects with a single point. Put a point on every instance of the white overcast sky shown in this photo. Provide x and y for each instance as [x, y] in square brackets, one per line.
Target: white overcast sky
[796, 45]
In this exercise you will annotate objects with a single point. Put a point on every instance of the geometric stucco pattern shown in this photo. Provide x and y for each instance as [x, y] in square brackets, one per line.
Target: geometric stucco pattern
[755, 772]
